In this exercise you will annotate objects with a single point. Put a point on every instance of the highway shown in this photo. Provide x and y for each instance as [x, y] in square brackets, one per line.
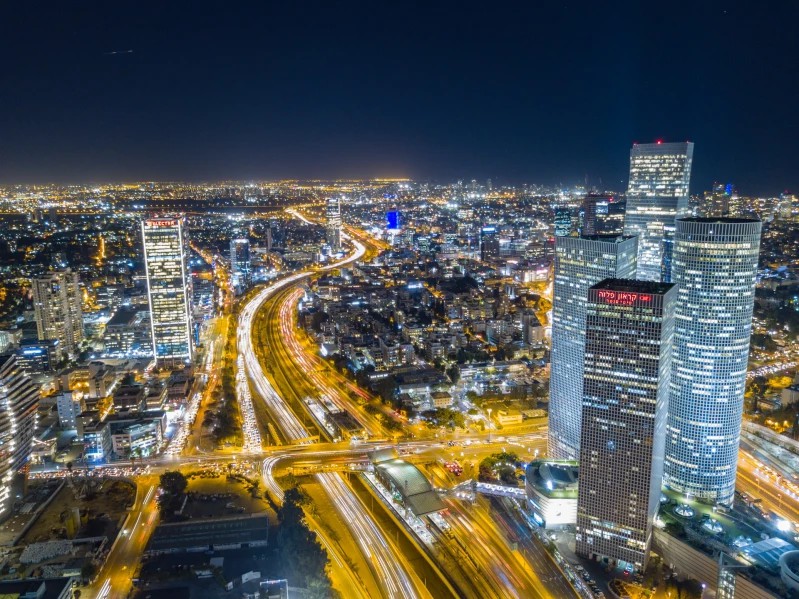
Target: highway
[389, 566]
[114, 581]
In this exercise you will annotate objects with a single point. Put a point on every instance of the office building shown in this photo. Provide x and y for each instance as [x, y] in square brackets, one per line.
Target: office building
[489, 243]
[715, 267]
[57, 306]
[563, 222]
[333, 227]
[718, 202]
[19, 399]
[602, 214]
[240, 265]
[657, 194]
[628, 354]
[165, 256]
[580, 262]
[36, 357]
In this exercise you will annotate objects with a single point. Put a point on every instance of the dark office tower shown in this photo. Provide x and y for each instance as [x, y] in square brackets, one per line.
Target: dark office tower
[240, 265]
[563, 222]
[580, 262]
[19, 399]
[657, 194]
[489, 243]
[628, 352]
[333, 226]
[715, 269]
[602, 214]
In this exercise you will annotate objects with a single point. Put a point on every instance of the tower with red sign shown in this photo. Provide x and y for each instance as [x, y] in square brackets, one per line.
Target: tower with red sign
[628, 355]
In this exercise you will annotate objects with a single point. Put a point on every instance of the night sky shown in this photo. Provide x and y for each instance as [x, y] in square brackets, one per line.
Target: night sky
[540, 92]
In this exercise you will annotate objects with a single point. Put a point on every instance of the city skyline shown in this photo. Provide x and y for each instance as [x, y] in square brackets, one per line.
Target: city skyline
[458, 93]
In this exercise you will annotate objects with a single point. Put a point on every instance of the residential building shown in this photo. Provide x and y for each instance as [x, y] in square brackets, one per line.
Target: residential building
[628, 355]
[57, 305]
[70, 405]
[580, 262]
[19, 399]
[715, 268]
[657, 194]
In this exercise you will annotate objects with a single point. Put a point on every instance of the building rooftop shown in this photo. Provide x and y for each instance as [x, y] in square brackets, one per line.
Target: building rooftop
[767, 553]
[718, 219]
[634, 286]
[554, 478]
[408, 480]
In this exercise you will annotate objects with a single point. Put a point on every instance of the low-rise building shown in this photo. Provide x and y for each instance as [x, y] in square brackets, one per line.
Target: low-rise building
[551, 487]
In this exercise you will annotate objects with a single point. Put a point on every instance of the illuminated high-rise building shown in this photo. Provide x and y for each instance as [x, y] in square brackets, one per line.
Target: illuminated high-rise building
[715, 269]
[657, 194]
[240, 264]
[602, 214]
[580, 262]
[563, 222]
[19, 400]
[628, 352]
[333, 225]
[165, 257]
[57, 306]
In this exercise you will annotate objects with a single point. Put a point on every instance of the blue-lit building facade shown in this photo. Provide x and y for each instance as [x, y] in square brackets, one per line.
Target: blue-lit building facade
[580, 262]
[715, 269]
[657, 193]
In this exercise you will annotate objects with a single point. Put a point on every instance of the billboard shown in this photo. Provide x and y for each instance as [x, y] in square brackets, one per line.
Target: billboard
[393, 220]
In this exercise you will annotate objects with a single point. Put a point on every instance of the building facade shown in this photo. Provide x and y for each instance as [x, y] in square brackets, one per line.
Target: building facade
[489, 243]
[602, 214]
[657, 194]
[165, 257]
[333, 226]
[628, 355]
[240, 264]
[19, 399]
[580, 262]
[715, 267]
[57, 307]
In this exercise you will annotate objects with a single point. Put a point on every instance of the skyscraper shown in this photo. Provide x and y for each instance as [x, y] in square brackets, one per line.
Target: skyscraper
[657, 194]
[489, 243]
[333, 228]
[19, 399]
[240, 265]
[715, 268]
[580, 262]
[602, 214]
[628, 354]
[165, 257]
[563, 221]
[57, 307]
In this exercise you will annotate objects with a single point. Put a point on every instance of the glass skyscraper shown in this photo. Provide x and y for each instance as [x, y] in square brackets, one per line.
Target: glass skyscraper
[333, 225]
[165, 256]
[628, 352]
[240, 263]
[580, 262]
[715, 268]
[656, 195]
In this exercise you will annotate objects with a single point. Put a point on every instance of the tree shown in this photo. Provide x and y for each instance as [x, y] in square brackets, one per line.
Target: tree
[174, 483]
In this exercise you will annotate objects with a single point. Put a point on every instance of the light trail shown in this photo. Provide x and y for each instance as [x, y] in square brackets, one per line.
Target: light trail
[384, 558]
